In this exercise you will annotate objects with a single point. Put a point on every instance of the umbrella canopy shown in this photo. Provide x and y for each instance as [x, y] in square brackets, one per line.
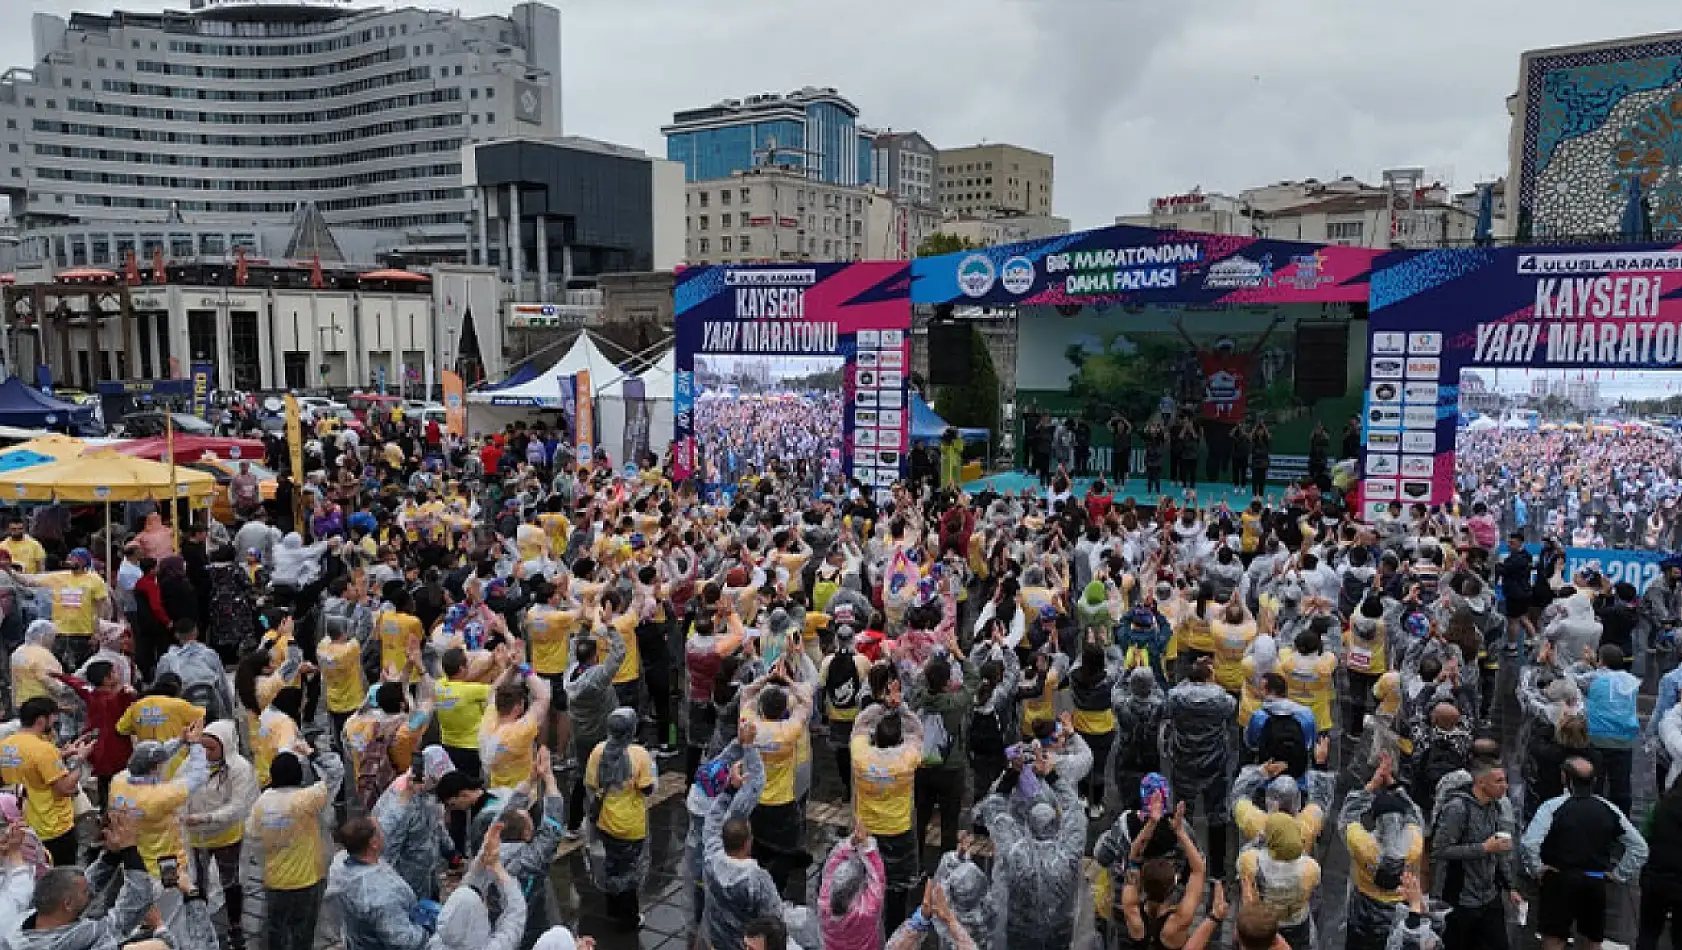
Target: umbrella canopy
[104, 476]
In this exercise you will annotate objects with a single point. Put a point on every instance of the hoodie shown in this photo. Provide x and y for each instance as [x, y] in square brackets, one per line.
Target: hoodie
[374, 905]
[465, 922]
[216, 812]
[1037, 880]
[196, 664]
[1573, 629]
[296, 565]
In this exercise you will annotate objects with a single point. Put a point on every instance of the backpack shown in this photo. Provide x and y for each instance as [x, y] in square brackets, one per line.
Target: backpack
[205, 696]
[1281, 741]
[375, 770]
[937, 741]
[842, 687]
[986, 732]
[1611, 706]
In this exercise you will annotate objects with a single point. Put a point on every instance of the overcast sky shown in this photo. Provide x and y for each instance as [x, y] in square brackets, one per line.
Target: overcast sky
[1135, 98]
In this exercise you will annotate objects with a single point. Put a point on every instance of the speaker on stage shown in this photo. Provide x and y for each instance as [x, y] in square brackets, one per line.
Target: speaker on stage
[949, 350]
[1322, 359]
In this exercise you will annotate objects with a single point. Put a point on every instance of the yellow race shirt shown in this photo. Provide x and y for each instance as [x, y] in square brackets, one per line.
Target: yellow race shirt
[27, 759]
[550, 630]
[629, 670]
[286, 822]
[26, 553]
[74, 597]
[157, 812]
[1231, 640]
[778, 742]
[883, 780]
[507, 751]
[1194, 633]
[160, 719]
[361, 729]
[460, 707]
[341, 672]
[1040, 708]
[398, 634]
[32, 669]
[1310, 677]
[624, 809]
[275, 733]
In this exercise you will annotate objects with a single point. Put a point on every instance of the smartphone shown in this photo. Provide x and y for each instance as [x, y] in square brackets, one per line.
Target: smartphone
[168, 873]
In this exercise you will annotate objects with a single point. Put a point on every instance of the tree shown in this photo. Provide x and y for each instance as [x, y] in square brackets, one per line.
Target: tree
[975, 402]
[942, 243]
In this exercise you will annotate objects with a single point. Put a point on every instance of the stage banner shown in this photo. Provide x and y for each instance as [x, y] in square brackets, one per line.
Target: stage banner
[1435, 314]
[1145, 265]
[455, 405]
[584, 428]
[636, 420]
[859, 313]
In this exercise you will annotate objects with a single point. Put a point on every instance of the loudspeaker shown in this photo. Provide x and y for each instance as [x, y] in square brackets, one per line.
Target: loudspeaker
[949, 345]
[1322, 359]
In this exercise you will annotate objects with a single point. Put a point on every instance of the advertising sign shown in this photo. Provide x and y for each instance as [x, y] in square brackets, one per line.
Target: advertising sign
[455, 405]
[295, 448]
[855, 315]
[203, 373]
[1436, 313]
[1145, 265]
[636, 420]
[584, 429]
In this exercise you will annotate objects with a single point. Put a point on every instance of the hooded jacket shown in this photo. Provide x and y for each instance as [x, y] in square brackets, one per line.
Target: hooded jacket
[196, 664]
[465, 923]
[1200, 717]
[1575, 628]
[138, 893]
[590, 695]
[296, 564]
[738, 889]
[1037, 866]
[216, 813]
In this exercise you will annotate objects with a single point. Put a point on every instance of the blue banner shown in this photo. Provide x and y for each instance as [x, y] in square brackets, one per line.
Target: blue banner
[203, 376]
[1619, 565]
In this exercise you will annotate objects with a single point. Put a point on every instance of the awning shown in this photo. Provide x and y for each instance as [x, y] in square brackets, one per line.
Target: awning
[86, 273]
[191, 448]
[396, 275]
[105, 476]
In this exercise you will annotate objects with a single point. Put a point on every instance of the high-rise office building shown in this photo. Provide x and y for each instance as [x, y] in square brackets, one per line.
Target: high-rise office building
[907, 166]
[812, 130]
[191, 131]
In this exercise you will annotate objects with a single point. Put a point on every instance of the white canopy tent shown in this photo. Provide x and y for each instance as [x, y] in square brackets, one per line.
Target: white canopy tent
[613, 413]
[544, 392]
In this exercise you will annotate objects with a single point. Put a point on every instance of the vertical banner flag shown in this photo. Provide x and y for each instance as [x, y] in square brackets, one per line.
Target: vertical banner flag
[636, 420]
[568, 387]
[379, 379]
[584, 430]
[202, 372]
[455, 405]
[295, 446]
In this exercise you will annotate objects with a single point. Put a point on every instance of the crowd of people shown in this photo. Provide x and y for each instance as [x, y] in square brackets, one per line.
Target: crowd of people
[1051, 721]
[1589, 488]
[748, 434]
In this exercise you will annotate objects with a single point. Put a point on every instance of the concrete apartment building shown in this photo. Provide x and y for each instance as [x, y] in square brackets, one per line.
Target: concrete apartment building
[995, 180]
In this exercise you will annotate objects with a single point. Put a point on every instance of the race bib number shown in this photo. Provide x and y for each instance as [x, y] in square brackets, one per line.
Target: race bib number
[1360, 659]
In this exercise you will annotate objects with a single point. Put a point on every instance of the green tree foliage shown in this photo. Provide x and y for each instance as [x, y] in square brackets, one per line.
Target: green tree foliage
[943, 243]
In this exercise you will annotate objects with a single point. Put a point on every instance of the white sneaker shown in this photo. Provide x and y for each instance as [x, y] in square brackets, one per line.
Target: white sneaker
[1094, 812]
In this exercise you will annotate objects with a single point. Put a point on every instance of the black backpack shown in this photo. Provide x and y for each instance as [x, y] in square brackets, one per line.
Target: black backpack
[843, 687]
[1281, 741]
[986, 732]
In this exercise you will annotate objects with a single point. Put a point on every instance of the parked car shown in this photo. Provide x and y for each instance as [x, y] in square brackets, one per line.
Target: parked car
[224, 471]
[141, 425]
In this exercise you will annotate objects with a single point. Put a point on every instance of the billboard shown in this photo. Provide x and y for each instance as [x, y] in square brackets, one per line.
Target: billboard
[1436, 313]
[859, 313]
[1125, 264]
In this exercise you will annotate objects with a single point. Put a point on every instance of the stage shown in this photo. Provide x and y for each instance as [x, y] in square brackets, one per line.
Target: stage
[1208, 493]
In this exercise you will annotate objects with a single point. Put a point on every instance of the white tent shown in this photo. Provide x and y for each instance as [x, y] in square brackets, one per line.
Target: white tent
[544, 392]
[613, 413]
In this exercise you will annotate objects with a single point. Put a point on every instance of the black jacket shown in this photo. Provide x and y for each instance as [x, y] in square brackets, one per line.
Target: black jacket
[1515, 575]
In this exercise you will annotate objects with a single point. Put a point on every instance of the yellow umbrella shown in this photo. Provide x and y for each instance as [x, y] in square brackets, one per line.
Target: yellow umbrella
[55, 445]
[105, 476]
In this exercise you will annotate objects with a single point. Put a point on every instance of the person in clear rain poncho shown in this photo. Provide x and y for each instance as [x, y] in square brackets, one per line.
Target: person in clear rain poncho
[738, 890]
[850, 899]
[713, 782]
[1036, 871]
[620, 776]
[1379, 855]
[1200, 715]
[465, 922]
[414, 823]
[969, 896]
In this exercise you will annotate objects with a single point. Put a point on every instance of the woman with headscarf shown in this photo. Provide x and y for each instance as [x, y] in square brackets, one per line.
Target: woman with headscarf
[156, 540]
[113, 643]
[619, 777]
[465, 922]
[1282, 878]
[850, 899]
[233, 606]
[35, 670]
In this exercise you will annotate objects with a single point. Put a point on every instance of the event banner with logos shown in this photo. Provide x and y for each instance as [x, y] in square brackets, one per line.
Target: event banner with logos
[1124, 264]
[764, 351]
[1434, 314]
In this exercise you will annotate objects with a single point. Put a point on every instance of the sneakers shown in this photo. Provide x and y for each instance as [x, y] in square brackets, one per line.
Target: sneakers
[1094, 812]
[571, 834]
[666, 751]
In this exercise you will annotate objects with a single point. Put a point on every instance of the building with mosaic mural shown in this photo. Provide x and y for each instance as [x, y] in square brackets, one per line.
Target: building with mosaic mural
[1587, 120]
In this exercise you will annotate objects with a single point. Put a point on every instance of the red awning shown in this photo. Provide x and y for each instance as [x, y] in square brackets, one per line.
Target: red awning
[191, 448]
[86, 273]
[8, 278]
[392, 274]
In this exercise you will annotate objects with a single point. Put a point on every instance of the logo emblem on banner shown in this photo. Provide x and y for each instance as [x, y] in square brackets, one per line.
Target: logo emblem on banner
[1017, 275]
[975, 275]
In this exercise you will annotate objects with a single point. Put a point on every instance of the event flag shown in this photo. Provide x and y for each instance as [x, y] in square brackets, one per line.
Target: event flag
[455, 405]
[295, 442]
[584, 426]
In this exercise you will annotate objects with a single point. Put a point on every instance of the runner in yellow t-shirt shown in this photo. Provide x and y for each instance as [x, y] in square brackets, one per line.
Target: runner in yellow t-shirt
[160, 716]
[510, 728]
[159, 804]
[550, 626]
[400, 633]
[27, 553]
[78, 600]
[29, 758]
[340, 659]
[624, 789]
[284, 830]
